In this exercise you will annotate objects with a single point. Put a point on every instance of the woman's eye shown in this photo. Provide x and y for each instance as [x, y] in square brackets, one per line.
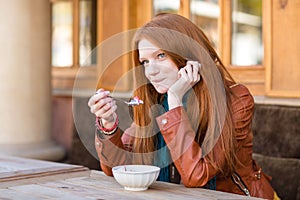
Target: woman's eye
[144, 62]
[161, 55]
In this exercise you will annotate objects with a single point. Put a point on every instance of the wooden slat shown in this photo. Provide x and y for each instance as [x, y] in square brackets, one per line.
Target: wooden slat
[44, 192]
[253, 77]
[251, 74]
[44, 179]
[14, 168]
[76, 33]
[184, 8]
[267, 40]
[9, 194]
[224, 24]
[144, 11]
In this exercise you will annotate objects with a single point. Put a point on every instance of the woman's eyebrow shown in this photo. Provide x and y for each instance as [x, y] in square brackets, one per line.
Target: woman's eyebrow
[152, 54]
[156, 52]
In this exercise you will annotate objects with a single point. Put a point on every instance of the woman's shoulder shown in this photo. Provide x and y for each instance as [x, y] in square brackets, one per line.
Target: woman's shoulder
[240, 95]
[239, 89]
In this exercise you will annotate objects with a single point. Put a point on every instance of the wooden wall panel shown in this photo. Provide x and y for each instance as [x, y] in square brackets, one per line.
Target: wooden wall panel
[253, 77]
[114, 19]
[282, 60]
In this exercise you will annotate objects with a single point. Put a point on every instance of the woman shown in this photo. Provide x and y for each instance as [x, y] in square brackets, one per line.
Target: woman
[195, 122]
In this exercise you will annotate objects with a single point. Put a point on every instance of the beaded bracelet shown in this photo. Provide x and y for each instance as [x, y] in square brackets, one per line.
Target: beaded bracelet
[107, 131]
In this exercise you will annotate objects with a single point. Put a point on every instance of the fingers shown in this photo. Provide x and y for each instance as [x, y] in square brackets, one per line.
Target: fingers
[98, 95]
[193, 69]
[106, 110]
[191, 72]
[102, 105]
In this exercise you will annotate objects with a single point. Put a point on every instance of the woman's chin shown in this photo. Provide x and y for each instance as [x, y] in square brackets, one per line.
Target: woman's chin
[161, 90]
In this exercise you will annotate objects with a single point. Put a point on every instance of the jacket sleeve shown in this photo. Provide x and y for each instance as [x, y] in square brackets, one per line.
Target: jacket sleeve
[113, 150]
[242, 109]
[194, 169]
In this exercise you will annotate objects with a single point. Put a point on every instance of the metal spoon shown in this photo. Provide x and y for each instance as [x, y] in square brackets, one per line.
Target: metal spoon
[133, 102]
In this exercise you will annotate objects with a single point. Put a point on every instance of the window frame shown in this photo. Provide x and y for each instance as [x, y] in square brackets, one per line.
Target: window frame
[63, 78]
[253, 76]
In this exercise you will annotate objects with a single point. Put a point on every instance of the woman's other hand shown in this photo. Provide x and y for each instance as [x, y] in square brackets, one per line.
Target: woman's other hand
[103, 107]
[188, 76]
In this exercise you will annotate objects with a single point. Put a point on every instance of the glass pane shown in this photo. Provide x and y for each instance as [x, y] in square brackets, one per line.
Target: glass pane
[87, 32]
[166, 6]
[205, 13]
[62, 36]
[247, 46]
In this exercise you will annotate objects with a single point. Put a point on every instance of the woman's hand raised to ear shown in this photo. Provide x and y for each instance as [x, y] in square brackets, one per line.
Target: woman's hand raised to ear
[104, 107]
[188, 76]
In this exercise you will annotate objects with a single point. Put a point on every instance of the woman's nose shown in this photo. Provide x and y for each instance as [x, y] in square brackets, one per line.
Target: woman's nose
[152, 68]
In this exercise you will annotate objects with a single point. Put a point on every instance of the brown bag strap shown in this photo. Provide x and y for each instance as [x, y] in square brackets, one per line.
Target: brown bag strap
[239, 182]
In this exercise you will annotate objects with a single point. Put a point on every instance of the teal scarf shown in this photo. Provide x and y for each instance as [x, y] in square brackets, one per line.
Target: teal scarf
[163, 154]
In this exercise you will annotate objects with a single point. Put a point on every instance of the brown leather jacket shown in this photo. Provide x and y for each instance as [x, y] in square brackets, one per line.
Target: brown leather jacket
[194, 170]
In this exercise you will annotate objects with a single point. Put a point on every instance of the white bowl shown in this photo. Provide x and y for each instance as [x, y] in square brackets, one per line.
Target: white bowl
[135, 177]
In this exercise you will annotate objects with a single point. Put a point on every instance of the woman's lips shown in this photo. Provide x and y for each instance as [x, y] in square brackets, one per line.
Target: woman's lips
[157, 81]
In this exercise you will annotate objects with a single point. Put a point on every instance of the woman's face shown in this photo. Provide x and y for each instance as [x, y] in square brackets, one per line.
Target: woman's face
[160, 70]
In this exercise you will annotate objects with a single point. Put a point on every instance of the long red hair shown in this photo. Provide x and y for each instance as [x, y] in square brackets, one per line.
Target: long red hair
[182, 40]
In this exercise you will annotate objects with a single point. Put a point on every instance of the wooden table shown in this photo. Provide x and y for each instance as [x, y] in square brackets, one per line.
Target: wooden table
[79, 183]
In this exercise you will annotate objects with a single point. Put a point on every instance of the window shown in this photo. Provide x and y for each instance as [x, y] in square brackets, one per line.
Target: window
[74, 36]
[247, 48]
[87, 32]
[166, 6]
[206, 15]
[62, 34]
[89, 23]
